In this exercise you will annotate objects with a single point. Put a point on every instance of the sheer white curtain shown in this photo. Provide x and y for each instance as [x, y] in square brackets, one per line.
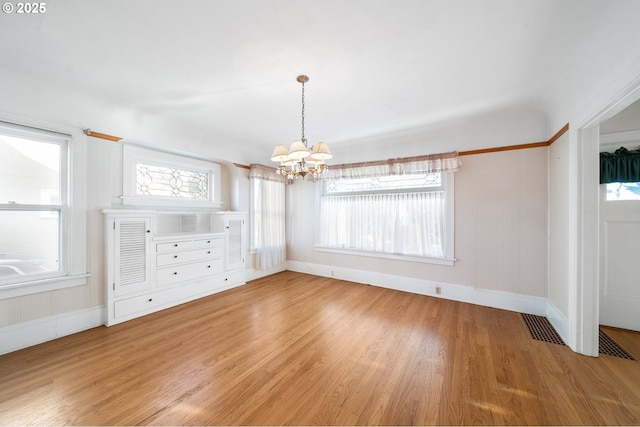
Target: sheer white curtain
[407, 219]
[402, 223]
[267, 216]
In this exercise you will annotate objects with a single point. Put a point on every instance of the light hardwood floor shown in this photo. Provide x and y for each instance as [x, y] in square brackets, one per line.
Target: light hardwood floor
[298, 349]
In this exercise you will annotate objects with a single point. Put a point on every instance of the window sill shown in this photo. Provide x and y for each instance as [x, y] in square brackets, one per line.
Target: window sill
[410, 258]
[42, 285]
[169, 202]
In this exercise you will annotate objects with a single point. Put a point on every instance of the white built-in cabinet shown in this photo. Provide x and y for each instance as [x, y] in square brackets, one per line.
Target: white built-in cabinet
[158, 259]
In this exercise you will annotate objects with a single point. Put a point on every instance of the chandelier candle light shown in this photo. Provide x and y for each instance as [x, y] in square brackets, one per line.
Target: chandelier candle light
[299, 159]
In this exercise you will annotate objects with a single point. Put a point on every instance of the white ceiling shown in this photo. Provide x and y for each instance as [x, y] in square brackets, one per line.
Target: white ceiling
[228, 68]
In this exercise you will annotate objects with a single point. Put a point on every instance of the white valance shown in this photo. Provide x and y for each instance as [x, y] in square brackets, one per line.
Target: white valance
[432, 163]
[265, 173]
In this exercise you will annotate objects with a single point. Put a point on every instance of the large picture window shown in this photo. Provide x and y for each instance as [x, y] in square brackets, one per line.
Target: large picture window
[401, 209]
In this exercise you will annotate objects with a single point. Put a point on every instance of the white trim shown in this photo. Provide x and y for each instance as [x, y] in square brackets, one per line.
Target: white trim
[425, 260]
[584, 225]
[585, 313]
[451, 291]
[29, 131]
[22, 335]
[254, 273]
[42, 285]
[559, 321]
[73, 240]
[632, 135]
[169, 201]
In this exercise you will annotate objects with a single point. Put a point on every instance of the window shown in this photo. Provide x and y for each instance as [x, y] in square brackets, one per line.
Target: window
[620, 171]
[623, 191]
[37, 222]
[161, 181]
[267, 217]
[155, 178]
[408, 216]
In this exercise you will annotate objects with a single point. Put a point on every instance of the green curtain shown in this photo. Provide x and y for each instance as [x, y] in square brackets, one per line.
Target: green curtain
[621, 166]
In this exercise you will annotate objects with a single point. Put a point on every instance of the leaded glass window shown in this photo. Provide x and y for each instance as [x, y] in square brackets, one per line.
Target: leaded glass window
[162, 181]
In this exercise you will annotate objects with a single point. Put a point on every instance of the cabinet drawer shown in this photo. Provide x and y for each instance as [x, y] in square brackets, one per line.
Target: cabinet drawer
[174, 246]
[234, 277]
[171, 258]
[213, 242]
[179, 273]
[129, 306]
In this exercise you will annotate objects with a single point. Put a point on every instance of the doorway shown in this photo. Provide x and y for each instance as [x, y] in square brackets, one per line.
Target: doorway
[619, 229]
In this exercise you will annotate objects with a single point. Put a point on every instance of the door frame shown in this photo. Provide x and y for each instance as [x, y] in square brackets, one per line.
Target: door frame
[584, 280]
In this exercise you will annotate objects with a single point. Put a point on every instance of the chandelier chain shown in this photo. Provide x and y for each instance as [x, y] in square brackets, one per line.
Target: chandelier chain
[304, 140]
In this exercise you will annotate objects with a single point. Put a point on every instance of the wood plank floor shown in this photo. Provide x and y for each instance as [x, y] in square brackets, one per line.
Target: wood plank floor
[294, 349]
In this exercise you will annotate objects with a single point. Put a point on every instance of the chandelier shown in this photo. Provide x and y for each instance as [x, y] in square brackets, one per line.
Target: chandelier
[299, 159]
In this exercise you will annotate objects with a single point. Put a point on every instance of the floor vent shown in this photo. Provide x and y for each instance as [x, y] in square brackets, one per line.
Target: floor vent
[610, 347]
[541, 329]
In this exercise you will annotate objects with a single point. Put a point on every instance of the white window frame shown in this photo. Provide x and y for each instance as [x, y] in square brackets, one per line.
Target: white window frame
[449, 258]
[132, 155]
[72, 222]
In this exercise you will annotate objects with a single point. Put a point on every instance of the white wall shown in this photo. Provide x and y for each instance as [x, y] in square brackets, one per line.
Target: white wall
[500, 233]
[493, 128]
[559, 226]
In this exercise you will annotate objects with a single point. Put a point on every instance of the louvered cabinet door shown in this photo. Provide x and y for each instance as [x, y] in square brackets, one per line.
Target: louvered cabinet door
[234, 236]
[132, 255]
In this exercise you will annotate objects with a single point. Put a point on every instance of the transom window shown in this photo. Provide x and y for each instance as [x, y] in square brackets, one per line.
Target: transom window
[154, 180]
[161, 178]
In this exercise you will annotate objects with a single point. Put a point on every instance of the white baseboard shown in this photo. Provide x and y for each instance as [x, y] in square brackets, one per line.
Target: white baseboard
[22, 335]
[463, 293]
[253, 274]
[560, 322]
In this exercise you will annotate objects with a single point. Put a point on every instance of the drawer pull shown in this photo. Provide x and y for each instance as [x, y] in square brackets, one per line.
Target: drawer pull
[175, 245]
[175, 256]
[208, 241]
[208, 266]
[175, 273]
[208, 252]
[150, 299]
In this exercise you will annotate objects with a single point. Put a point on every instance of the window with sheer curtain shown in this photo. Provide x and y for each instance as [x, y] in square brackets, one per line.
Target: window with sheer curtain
[268, 217]
[400, 208]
